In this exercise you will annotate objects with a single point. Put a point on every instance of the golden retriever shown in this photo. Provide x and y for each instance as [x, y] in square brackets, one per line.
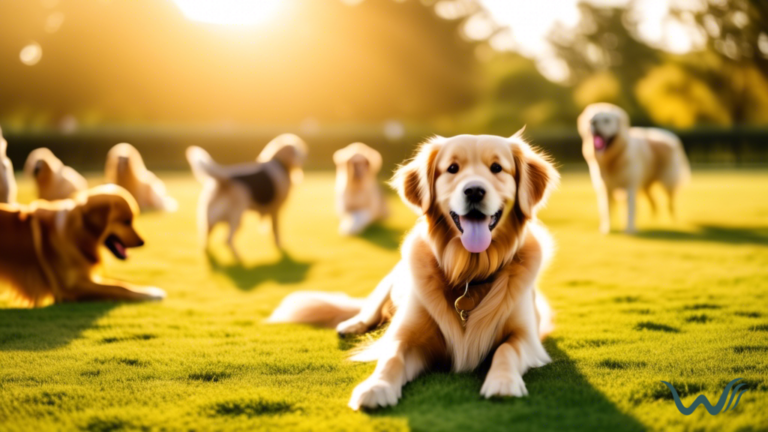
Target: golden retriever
[359, 200]
[54, 180]
[465, 286]
[7, 180]
[629, 159]
[50, 250]
[126, 168]
[261, 186]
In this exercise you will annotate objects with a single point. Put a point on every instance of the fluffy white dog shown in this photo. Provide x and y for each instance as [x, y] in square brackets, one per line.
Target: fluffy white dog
[629, 159]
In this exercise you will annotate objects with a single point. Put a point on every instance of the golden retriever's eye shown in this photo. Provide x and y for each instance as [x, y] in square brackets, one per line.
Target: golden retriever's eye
[128, 222]
[495, 168]
[453, 169]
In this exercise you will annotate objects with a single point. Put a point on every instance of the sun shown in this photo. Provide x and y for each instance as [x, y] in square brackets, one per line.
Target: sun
[236, 12]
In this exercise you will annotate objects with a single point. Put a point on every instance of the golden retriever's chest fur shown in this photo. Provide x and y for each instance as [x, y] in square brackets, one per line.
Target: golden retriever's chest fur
[489, 323]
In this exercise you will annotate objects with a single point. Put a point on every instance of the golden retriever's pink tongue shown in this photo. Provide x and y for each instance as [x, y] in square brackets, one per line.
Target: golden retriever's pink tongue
[120, 249]
[477, 233]
[599, 142]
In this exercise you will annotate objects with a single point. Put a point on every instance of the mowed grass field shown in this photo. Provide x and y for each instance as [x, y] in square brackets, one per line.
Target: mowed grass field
[685, 303]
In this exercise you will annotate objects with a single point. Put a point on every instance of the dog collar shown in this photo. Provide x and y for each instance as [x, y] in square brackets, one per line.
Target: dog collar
[466, 304]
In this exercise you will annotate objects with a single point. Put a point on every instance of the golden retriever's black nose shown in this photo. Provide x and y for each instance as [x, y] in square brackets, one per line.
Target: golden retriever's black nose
[474, 194]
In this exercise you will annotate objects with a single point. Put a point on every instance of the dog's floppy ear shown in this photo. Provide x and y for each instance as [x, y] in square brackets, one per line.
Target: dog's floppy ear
[96, 213]
[340, 156]
[374, 159]
[414, 181]
[537, 177]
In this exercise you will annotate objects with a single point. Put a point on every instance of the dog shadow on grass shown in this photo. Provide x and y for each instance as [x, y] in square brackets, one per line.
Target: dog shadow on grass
[49, 327]
[560, 398]
[285, 270]
[757, 235]
[382, 236]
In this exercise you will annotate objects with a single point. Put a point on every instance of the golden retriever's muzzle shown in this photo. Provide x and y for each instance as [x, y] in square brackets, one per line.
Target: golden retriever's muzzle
[476, 212]
[601, 141]
[119, 247]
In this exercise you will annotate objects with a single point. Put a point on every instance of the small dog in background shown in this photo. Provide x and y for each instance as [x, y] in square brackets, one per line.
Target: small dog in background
[359, 200]
[7, 180]
[125, 167]
[50, 250]
[261, 186]
[629, 159]
[54, 180]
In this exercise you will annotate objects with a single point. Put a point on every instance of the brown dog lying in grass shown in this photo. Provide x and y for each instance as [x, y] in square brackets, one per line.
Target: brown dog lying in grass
[49, 250]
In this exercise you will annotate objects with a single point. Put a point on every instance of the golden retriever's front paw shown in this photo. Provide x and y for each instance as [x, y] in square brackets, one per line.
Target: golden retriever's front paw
[373, 393]
[503, 385]
[154, 293]
[352, 326]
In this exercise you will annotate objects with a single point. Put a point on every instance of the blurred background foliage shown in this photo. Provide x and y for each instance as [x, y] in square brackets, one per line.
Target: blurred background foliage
[388, 72]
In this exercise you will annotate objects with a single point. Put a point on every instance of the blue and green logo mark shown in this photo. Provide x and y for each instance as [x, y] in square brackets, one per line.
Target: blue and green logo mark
[702, 400]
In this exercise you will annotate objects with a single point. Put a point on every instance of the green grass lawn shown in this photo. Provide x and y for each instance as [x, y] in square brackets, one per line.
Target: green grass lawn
[685, 303]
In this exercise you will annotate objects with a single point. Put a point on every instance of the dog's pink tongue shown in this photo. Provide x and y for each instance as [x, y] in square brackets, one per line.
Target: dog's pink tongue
[121, 249]
[599, 142]
[477, 234]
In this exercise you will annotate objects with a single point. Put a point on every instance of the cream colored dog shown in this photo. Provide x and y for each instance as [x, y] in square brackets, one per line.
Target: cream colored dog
[54, 180]
[7, 180]
[126, 168]
[629, 159]
[465, 288]
[359, 200]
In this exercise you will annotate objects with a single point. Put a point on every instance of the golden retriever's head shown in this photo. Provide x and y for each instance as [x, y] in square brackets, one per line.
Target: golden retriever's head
[290, 150]
[477, 193]
[42, 165]
[358, 161]
[104, 216]
[601, 123]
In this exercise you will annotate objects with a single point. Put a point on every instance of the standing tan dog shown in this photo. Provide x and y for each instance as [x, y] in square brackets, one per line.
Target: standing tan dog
[125, 167]
[261, 186]
[465, 287]
[359, 200]
[7, 180]
[629, 159]
[54, 180]
[50, 250]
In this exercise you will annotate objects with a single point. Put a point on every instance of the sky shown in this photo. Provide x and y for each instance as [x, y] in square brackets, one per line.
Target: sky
[523, 26]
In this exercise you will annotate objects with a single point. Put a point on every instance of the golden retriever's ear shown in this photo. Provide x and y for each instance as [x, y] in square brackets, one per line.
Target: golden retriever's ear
[537, 178]
[374, 158]
[340, 156]
[96, 216]
[414, 181]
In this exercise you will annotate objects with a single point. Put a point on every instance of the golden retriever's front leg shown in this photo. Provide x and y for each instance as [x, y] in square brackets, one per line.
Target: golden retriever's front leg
[631, 205]
[522, 350]
[90, 290]
[603, 199]
[397, 365]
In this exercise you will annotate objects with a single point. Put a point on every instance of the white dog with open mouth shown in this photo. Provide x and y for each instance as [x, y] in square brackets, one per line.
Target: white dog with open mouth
[629, 159]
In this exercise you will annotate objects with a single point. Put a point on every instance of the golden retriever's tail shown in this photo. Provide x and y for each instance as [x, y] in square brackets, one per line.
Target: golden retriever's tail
[317, 308]
[203, 166]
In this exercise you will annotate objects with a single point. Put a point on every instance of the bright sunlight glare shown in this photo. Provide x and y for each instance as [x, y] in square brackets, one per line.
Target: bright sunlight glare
[237, 12]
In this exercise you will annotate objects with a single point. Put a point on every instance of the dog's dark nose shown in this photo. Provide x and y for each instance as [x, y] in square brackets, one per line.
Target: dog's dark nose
[474, 194]
[141, 243]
